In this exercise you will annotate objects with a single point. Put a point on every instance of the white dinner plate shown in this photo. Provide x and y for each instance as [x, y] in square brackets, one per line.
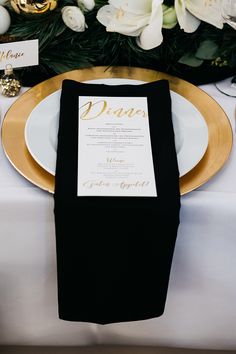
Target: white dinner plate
[191, 132]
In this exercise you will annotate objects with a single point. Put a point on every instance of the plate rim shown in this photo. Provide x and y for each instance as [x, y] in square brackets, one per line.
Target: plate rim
[220, 134]
[46, 162]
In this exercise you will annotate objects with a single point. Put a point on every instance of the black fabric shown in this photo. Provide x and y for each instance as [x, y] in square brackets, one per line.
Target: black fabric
[114, 254]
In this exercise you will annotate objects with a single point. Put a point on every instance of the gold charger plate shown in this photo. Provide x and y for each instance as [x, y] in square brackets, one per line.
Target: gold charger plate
[219, 128]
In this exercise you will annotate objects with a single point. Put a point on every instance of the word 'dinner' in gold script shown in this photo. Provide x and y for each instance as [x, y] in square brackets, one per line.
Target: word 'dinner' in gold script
[92, 110]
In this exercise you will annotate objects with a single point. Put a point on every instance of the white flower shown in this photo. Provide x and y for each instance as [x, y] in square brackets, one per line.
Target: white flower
[137, 18]
[191, 12]
[87, 4]
[73, 18]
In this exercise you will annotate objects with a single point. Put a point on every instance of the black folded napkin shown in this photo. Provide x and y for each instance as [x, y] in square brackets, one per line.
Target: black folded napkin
[114, 254]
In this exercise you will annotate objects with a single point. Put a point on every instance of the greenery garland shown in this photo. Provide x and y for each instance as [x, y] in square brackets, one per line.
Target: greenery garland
[203, 56]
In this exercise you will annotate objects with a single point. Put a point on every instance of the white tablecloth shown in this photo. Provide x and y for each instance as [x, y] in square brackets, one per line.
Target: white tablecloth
[200, 309]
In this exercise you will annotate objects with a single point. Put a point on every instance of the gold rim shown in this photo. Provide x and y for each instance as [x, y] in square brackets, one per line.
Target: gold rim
[219, 128]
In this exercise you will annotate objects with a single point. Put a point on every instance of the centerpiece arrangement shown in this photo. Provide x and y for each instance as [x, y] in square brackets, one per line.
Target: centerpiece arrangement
[185, 38]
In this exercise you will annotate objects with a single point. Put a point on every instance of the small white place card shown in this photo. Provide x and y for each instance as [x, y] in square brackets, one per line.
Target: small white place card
[114, 149]
[19, 54]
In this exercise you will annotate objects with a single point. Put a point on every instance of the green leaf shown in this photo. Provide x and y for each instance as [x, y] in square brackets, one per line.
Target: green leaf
[190, 60]
[207, 50]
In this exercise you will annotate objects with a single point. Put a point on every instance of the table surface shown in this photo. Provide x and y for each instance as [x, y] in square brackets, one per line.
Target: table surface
[200, 309]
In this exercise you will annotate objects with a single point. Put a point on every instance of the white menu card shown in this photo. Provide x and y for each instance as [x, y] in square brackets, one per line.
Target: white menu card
[114, 149]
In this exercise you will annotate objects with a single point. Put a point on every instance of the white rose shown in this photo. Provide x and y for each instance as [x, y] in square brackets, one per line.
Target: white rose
[87, 4]
[73, 18]
[137, 18]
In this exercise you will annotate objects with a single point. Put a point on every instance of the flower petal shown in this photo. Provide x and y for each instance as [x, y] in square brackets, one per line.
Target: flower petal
[207, 11]
[105, 14]
[138, 7]
[187, 21]
[151, 35]
[116, 20]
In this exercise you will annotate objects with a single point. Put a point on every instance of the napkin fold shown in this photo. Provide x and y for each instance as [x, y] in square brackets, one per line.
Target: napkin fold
[114, 254]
